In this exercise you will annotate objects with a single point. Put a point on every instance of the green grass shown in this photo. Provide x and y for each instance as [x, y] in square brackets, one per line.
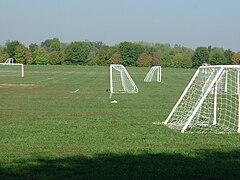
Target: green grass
[47, 132]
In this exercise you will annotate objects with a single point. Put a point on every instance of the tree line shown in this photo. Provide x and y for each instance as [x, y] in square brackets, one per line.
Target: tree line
[54, 52]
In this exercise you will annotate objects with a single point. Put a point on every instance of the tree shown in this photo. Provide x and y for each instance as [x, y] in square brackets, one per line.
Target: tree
[116, 58]
[20, 54]
[181, 61]
[228, 55]
[29, 57]
[166, 60]
[42, 57]
[33, 47]
[130, 52]
[3, 54]
[144, 60]
[56, 57]
[200, 56]
[155, 58]
[46, 44]
[236, 59]
[55, 45]
[98, 44]
[77, 53]
[105, 54]
[23, 55]
[11, 48]
[93, 56]
[217, 58]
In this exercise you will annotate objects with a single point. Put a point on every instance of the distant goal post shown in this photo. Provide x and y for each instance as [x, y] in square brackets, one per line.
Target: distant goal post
[120, 80]
[10, 63]
[154, 74]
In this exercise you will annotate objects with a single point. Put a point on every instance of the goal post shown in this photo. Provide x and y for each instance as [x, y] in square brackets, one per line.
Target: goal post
[11, 68]
[154, 74]
[120, 80]
[210, 103]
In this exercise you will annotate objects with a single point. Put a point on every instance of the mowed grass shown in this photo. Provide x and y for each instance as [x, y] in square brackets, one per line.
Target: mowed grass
[58, 122]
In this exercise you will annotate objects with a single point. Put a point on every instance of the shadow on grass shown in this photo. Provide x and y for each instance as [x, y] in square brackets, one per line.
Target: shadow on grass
[205, 165]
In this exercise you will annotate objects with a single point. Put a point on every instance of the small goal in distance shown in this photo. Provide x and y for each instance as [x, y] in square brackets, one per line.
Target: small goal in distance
[154, 74]
[9, 68]
[120, 80]
[210, 103]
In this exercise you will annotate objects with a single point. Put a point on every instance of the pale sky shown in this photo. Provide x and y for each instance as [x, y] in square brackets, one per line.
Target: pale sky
[190, 23]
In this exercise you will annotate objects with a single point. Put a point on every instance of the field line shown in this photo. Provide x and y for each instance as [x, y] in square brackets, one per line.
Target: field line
[46, 79]
[74, 91]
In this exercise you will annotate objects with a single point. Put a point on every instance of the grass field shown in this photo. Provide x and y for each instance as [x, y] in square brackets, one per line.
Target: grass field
[57, 122]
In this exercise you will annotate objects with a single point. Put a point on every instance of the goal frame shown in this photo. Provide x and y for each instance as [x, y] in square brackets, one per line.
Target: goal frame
[112, 91]
[149, 76]
[212, 88]
[15, 64]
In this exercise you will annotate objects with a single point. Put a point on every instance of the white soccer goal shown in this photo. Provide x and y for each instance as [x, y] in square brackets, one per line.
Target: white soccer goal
[9, 61]
[9, 68]
[210, 103]
[154, 74]
[120, 80]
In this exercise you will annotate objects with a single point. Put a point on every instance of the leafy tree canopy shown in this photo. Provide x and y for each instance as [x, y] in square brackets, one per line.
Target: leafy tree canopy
[200, 56]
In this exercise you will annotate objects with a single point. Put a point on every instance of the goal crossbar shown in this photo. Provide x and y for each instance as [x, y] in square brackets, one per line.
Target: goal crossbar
[15, 64]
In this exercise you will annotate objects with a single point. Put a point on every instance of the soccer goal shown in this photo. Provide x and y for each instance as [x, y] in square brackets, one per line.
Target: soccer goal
[120, 80]
[9, 68]
[154, 74]
[210, 103]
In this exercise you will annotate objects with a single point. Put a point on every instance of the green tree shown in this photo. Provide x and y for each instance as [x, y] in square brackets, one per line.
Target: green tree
[55, 45]
[56, 58]
[130, 52]
[98, 44]
[3, 54]
[200, 56]
[42, 57]
[23, 55]
[77, 53]
[228, 55]
[217, 58]
[93, 56]
[144, 60]
[20, 54]
[33, 47]
[46, 44]
[11, 48]
[166, 60]
[181, 61]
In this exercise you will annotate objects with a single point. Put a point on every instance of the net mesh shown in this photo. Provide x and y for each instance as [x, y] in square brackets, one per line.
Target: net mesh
[153, 75]
[122, 81]
[218, 113]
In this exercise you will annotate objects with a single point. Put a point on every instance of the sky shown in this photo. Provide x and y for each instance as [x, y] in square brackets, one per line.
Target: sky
[190, 23]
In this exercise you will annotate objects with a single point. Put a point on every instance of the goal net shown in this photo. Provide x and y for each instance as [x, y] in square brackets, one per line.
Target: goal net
[154, 74]
[120, 80]
[210, 103]
[9, 68]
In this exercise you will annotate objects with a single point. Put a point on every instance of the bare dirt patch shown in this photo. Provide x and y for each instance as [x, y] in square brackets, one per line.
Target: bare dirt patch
[7, 85]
